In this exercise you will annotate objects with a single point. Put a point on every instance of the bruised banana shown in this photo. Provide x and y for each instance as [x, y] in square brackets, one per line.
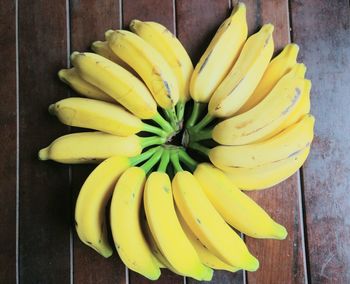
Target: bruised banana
[268, 116]
[241, 81]
[276, 69]
[127, 234]
[167, 231]
[117, 82]
[237, 208]
[206, 223]
[291, 140]
[148, 63]
[72, 79]
[220, 55]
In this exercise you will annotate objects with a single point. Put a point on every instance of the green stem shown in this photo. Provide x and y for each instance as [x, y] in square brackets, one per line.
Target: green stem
[196, 111]
[203, 123]
[164, 161]
[152, 161]
[187, 160]
[142, 157]
[153, 129]
[201, 135]
[175, 161]
[171, 114]
[180, 111]
[163, 123]
[150, 141]
[199, 148]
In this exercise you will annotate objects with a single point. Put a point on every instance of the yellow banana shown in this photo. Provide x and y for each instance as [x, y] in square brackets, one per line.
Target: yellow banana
[262, 120]
[277, 68]
[148, 63]
[291, 140]
[203, 252]
[125, 223]
[167, 231]
[72, 79]
[206, 223]
[160, 38]
[266, 175]
[238, 209]
[117, 82]
[244, 76]
[220, 55]
[90, 220]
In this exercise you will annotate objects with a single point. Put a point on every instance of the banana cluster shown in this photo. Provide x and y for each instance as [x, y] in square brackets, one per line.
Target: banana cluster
[248, 121]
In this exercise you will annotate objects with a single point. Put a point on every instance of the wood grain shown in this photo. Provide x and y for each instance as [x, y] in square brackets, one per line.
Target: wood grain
[322, 28]
[90, 267]
[44, 212]
[280, 261]
[8, 126]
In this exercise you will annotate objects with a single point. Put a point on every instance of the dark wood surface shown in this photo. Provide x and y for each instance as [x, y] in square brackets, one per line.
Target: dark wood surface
[39, 198]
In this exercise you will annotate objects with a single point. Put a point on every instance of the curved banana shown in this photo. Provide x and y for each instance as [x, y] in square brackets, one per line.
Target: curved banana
[90, 147]
[206, 223]
[262, 120]
[117, 82]
[167, 231]
[72, 79]
[276, 69]
[125, 223]
[266, 175]
[148, 63]
[98, 115]
[244, 76]
[90, 220]
[160, 38]
[220, 55]
[291, 140]
[237, 208]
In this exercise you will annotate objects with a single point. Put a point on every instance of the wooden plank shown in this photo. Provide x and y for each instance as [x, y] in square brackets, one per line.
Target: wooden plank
[322, 28]
[197, 22]
[161, 11]
[90, 267]
[280, 261]
[8, 122]
[44, 224]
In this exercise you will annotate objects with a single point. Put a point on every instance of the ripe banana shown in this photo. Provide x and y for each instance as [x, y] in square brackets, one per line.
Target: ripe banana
[125, 223]
[266, 175]
[241, 81]
[167, 231]
[90, 220]
[291, 140]
[148, 63]
[90, 147]
[117, 82]
[277, 68]
[220, 55]
[238, 209]
[206, 223]
[161, 39]
[262, 120]
[72, 79]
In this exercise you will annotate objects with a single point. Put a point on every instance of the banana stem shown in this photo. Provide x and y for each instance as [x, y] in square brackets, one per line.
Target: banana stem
[153, 129]
[187, 160]
[201, 135]
[142, 157]
[164, 124]
[203, 123]
[199, 148]
[196, 111]
[152, 161]
[164, 161]
[174, 157]
[180, 111]
[150, 141]
[171, 114]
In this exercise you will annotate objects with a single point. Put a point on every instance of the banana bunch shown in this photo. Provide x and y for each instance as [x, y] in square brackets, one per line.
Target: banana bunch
[249, 118]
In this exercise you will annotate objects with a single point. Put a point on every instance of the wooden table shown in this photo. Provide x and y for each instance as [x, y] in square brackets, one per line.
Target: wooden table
[38, 242]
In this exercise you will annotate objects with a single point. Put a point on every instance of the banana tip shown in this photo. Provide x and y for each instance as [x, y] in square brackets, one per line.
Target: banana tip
[108, 34]
[52, 109]
[133, 23]
[281, 232]
[43, 154]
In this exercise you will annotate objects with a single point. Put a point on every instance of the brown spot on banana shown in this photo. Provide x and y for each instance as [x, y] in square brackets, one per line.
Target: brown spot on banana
[205, 62]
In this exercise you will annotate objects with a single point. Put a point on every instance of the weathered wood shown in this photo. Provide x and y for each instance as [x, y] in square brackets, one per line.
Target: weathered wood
[89, 266]
[280, 261]
[322, 28]
[44, 211]
[8, 122]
